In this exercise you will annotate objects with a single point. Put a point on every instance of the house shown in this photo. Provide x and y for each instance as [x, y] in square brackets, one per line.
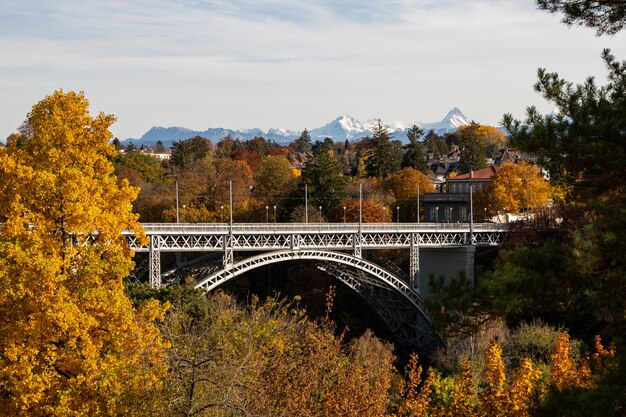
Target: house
[507, 155]
[300, 159]
[161, 156]
[442, 167]
[453, 203]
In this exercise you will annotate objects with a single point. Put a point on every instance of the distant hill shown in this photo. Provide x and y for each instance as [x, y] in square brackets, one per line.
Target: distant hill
[340, 129]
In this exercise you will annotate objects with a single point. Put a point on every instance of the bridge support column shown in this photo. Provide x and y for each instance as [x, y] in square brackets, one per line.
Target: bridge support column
[154, 262]
[356, 245]
[227, 261]
[470, 254]
[414, 262]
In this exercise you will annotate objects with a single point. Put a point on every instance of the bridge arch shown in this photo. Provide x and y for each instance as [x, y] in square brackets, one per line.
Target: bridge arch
[217, 278]
[408, 319]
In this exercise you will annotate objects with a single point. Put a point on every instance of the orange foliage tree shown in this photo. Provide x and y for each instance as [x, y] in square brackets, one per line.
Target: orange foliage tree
[371, 212]
[404, 187]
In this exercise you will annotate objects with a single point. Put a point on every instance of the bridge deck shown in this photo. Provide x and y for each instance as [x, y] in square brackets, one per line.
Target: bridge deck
[330, 236]
[263, 228]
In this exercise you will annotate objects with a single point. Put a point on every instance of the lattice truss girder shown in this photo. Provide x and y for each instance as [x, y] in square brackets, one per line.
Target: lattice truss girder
[248, 264]
[330, 241]
[185, 243]
[401, 316]
[488, 239]
[154, 262]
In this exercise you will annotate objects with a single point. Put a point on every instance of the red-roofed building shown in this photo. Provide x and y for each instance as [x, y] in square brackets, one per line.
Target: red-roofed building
[479, 180]
[453, 206]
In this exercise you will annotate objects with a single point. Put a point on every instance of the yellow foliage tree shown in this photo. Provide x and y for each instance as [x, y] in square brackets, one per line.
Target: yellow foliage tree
[494, 138]
[508, 400]
[415, 401]
[274, 178]
[70, 342]
[493, 397]
[517, 185]
[463, 401]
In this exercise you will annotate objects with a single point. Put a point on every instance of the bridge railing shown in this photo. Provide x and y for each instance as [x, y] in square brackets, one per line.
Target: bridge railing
[221, 228]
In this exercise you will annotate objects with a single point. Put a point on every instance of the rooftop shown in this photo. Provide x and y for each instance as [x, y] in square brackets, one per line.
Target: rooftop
[479, 174]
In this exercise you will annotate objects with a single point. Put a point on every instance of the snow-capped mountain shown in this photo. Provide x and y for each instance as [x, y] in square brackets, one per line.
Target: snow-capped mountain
[344, 127]
[340, 129]
[453, 120]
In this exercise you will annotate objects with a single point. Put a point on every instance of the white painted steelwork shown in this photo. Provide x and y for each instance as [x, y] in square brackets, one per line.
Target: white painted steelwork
[337, 249]
[330, 236]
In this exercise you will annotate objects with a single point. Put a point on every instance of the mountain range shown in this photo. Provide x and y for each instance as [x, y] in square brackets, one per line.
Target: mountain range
[342, 128]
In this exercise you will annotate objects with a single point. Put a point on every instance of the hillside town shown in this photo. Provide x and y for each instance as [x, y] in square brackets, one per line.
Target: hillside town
[448, 167]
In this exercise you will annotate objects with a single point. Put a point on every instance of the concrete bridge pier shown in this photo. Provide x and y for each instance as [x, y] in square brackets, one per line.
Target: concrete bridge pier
[446, 261]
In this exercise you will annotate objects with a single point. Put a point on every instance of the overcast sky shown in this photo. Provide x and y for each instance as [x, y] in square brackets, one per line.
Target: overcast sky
[286, 63]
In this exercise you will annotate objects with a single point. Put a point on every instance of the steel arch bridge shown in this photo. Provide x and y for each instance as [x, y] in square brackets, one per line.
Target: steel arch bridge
[335, 248]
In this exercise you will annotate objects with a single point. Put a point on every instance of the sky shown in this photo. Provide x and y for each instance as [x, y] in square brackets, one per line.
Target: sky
[291, 64]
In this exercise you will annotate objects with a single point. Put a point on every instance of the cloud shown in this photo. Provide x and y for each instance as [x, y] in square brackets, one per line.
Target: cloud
[246, 62]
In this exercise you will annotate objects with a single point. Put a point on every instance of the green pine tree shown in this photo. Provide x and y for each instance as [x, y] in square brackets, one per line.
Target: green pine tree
[382, 155]
[414, 152]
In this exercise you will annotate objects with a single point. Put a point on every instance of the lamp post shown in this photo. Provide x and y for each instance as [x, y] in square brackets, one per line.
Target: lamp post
[267, 215]
[471, 204]
[320, 207]
[221, 214]
[397, 214]
[449, 214]
[306, 204]
[485, 215]
[471, 214]
[176, 201]
[360, 206]
[184, 213]
[274, 214]
[231, 205]
[418, 203]
[527, 201]
[344, 214]
[437, 214]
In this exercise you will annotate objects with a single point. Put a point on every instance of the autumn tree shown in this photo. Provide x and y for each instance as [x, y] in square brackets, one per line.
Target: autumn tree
[147, 167]
[495, 139]
[70, 341]
[265, 358]
[274, 178]
[517, 187]
[371, 212]
[473, 146]
[404, 186]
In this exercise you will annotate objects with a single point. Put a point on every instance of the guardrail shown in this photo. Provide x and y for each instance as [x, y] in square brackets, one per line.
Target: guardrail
[238, 228]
